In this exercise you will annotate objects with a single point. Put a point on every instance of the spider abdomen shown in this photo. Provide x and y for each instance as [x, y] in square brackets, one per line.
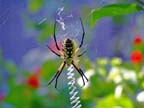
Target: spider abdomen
[68, 47]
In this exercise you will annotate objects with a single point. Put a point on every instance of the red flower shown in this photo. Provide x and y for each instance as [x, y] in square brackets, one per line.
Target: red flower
[33, 81]
[2, 97]
[136, 57]
[137, 40]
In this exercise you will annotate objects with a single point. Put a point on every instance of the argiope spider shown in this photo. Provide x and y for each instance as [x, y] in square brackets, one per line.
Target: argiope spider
[68, 53]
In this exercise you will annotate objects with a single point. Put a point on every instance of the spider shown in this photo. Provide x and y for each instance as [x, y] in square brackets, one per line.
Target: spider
[68, 53]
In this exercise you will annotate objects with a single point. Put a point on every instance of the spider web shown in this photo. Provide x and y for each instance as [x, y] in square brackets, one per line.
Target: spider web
[8, 11]
[4, 16]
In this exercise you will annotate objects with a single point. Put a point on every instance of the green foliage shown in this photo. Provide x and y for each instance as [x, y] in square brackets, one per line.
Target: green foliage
[112, 102]
[35, 5]
[19, 96]
[46, 32]
[98, 81]
[139, 47]
[113, 10]
[100, 92]
[49, 68]
[11, 67]
[102, 88]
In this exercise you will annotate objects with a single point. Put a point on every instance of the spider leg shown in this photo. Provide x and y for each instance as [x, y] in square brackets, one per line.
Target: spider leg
[54, 35]
[57, 74]
[83, 74]
[53, 51]
[57, 79]
[53, 78]
[80, 70]
[60, 70]
[83, 34]
[82, 53]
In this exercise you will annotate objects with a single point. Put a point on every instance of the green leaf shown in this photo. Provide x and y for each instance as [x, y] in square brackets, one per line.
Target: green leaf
[45, 33]
[139, 47]
[99, 87]
[113, 10]
[19, 96]
[10, 67]
[49, 68]
[35, 5]
[44, 29]
[112, 102]
[84, 61]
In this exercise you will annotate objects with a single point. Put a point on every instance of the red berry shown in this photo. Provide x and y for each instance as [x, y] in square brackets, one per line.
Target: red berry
[136, 57]
[137, 40]
[33, 82]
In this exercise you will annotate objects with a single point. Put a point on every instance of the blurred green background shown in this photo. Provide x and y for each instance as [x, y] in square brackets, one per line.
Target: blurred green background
[114, 61]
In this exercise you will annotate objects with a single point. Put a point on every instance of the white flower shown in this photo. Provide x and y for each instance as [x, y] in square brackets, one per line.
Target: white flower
[129, 75]
[115, 75]
[118, 91]
[140, 97]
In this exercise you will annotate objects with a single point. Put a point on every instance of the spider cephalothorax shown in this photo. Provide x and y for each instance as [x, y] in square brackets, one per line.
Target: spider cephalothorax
[68, 53]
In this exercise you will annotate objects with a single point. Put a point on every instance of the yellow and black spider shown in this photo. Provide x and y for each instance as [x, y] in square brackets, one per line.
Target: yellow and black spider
[68, 53]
